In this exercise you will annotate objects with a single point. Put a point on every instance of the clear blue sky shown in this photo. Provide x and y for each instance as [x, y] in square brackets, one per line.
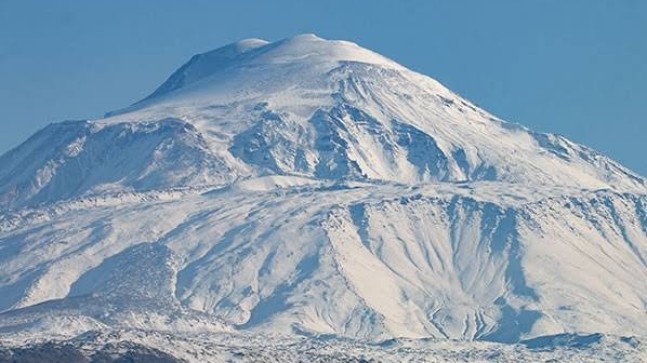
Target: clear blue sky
[573, 67]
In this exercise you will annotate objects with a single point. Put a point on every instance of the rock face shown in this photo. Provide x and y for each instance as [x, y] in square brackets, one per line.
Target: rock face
[314, 187]
[68, 353]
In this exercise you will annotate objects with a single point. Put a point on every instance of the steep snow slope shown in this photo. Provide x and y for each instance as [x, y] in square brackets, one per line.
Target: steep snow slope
[72, 159]
[314, 187]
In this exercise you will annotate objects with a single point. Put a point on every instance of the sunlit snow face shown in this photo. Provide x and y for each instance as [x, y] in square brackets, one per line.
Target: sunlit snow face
[313, 187]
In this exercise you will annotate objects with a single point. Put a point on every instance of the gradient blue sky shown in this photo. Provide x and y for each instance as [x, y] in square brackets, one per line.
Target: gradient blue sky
[576, 67]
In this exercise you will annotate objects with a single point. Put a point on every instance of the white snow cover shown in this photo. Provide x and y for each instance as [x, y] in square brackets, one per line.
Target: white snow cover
[314, 187]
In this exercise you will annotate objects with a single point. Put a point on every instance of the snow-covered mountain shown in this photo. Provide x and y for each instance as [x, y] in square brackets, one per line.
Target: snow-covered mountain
[301, 107]
[313, 187]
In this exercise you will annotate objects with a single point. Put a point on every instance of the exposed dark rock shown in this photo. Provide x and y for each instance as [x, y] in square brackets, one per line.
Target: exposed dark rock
[68, 353]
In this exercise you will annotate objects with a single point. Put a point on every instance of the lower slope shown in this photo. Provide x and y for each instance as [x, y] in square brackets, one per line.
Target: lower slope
[470, 261]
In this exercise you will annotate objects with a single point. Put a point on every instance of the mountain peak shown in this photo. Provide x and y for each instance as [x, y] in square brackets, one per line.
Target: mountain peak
[307, 37]
[303, 51]
[309, 48]
[204, 64]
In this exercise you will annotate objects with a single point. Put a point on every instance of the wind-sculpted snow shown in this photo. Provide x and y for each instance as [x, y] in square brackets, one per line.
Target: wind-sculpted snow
[369, 261]
[75, 159]
[314, 188]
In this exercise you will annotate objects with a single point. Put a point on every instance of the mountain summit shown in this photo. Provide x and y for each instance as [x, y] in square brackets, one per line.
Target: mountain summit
[306, 52]
[313, 187]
